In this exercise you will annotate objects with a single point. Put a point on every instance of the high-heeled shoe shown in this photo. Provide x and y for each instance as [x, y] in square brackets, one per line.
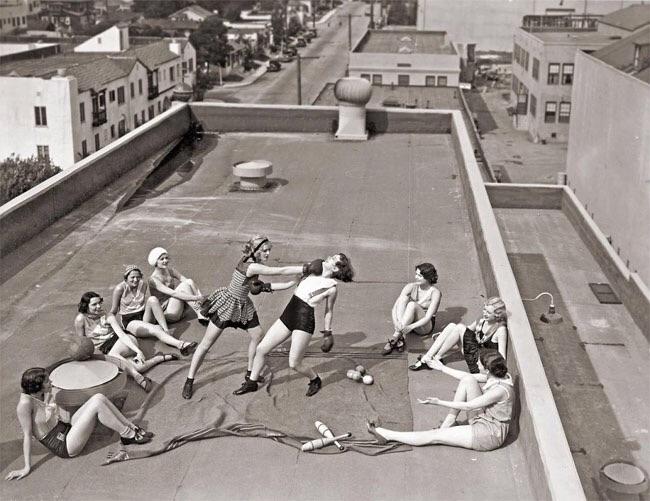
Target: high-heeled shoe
[389, 347]
[419, 365]
[188, 389]
[372, 429]
[400, 345]
[188, 348]
[135, 439]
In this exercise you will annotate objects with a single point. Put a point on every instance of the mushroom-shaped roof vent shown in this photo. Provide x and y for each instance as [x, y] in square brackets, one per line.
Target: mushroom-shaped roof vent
[353, 90]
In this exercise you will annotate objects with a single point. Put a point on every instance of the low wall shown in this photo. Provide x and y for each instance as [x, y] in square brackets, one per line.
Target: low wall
[524, 196]
[228, 117]
[628, 285]
[550, 463]
[28, 214]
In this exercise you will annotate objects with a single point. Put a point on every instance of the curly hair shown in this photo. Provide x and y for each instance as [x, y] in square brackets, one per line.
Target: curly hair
[85, 301]
[494, 363]
[428, 271]
[251, 247]
[32, 380]
[499, 306]
[345, 272]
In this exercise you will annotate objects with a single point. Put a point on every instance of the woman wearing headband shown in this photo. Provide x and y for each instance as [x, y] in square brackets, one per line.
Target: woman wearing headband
[490, 331]
[232, 306]
[489, 409]
[136, 311]
[171, 288]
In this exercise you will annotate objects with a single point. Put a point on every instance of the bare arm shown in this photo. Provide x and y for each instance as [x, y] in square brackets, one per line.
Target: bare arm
[400, 302]
[158, 285]
[431, 311]
[79, 326]
[262, 269]
[117, 295]
[280, 286]
[439, 366]
[329, 308]
[502, 340]
[24, 411]
[492, 396]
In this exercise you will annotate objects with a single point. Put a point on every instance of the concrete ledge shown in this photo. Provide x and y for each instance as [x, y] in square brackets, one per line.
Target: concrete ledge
[628, 285]
[30, 213]
[524, 196]
[552, 470]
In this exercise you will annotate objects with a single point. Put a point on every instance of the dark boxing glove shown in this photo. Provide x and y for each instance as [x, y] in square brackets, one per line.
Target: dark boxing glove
[258, 286]
[328, 341]
[313, 268]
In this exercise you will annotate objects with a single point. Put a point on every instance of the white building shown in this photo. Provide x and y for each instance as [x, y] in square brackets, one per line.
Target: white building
[406, 58]
[608, 158]
[247, 31]
[14, 14]
[68, 106]
[191, 13]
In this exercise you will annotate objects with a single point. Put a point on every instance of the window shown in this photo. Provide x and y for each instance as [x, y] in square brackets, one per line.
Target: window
[522, 103]
[171, 73]
[565, 113]
[526, 58]
[120, 95]
[366, 76]
[97, 144]
[82, 112]
[135, 120]
[549, 115]
[430, 81]
[143, 117]
[112, 131]
[403, 80]
[442, 81]
[403, 65]
[515, 84]
[553, 74]
[43, 152]
[84, 149]
[121, 127]
[376, 80]
[40, 115]
[140, 86]
[536, 68]
[533, 105]
[132, 90]
[151, 112]
[567, 74]
[111, 96]
[159, 107]
[190, 65]
[184, 67]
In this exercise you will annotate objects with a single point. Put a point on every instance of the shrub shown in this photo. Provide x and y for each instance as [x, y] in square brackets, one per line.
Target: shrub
[17, 175]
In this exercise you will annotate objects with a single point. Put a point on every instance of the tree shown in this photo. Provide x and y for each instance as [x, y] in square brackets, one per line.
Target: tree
[294, 27]
[397, 13]
[278, 22]
[210, 42]
[17, 175]
[156, 9]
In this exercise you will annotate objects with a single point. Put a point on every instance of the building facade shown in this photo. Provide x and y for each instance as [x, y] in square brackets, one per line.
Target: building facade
[406, 58]
[14, 14]
[543, 70]
[608, 159]
[68, 15]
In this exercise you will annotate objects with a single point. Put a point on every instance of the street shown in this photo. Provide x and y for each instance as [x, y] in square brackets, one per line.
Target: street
[330, 58]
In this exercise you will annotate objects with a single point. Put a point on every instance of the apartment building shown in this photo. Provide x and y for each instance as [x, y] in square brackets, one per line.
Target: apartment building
[406, 58]
[543, 70]
[70, 105]
[608, 158]
[14, 14]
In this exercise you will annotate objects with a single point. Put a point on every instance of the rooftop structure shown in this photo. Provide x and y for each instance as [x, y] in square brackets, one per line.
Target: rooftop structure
[191, 13]
[630, 55]
[625, 21]
[405, 42]
[18, 51]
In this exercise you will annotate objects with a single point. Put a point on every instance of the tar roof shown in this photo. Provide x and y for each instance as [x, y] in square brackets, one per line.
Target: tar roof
[621, 55]
[405, 42]
[630, 18]
[573, 37]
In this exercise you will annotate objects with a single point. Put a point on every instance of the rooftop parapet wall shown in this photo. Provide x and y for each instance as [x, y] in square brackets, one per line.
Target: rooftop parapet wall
[552, 470]
[28, 214]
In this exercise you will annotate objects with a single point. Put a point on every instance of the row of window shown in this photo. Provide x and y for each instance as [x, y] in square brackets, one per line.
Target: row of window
[554, 77]
[405, 80]
[553, 111]
[13, 21]
[521, 56]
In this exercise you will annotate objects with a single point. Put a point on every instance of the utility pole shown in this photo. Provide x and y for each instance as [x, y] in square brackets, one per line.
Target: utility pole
[299, 80]
[349, 31]
[372, 14]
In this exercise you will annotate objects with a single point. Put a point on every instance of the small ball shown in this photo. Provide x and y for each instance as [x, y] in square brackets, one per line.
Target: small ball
[356, 375]
[350, 374]
[81, 349]
[361, 369]
[368, 379]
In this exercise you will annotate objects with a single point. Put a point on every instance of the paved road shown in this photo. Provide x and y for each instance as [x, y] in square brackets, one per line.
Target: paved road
[331, 48]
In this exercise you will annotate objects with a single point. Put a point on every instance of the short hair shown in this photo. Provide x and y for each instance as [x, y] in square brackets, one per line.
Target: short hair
[33, 379]
[345, 272]
[499, 308]
[494, 363]
[253, 246]
[428, 271]
[85, 301]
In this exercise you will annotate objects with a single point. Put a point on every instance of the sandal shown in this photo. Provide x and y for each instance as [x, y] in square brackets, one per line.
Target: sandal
[419, 365]
[146, 384]
[143, 432]
[389, 347]
[168, 357]
[188, 348]
[400, 345]
[371, 426]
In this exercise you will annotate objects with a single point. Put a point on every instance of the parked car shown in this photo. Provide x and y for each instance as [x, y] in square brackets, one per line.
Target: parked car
[274, 65]
[313, 32]
[285, 58]
[290, 51]
[300, 42]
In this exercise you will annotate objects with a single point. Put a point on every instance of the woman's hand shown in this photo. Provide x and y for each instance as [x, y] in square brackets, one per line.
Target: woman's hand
[18, 474]
[430, 400]
[139, 358]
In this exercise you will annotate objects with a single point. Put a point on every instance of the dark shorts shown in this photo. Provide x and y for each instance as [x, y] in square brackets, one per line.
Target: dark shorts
[55, 440]
[106, 346]
[472, 349]
[224, 324]
[298, 315]
[138, 315]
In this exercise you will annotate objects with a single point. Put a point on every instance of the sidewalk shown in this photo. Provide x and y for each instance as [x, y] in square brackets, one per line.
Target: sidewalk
[249, 79]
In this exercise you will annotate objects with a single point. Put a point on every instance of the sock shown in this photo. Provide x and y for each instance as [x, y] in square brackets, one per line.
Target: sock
[317, 378]
[248, 374]
[189, 380]
[128, 432]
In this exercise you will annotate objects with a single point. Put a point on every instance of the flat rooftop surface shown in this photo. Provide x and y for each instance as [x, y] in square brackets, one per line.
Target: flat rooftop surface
[597, 359]
[405, 42]
[440, 98]
[389, 203]
[573, 37]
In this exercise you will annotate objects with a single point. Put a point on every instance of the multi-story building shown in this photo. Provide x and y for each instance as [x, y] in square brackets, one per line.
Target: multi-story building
[68, 106]
[406, 58]
[625, 22]
[608, 159]
[191, 13]
[14, 14]
[543, 71]
[68, 15]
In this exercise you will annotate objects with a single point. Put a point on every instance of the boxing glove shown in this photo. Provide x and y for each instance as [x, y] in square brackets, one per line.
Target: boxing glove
[313, 268]
[328, 341]
[258, 286]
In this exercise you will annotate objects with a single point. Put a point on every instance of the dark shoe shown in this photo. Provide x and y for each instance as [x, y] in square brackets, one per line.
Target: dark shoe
[314, 386]
[188, 348]
[204, 321]
[144, 433]
[327, 344]
[389, 347]
[146, 384]
[247, 386]
[419, 365]
[135, 439]
[400, 345]
[371, 426]
[260, 379]
[187, 389]
[168, 357]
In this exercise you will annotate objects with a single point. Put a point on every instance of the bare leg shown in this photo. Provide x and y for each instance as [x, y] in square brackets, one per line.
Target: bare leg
[142, 329]
[83, 422]
[276, 335]
[299, 343]
[447, 339]
[212, 333]
[149, 363]
[153, 310]
[406, 316]
[460, 436]
[256, 334]
[467, 389]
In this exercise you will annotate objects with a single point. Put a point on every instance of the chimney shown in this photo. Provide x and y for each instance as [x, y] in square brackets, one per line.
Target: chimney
[61, 72]
[353, 95]
[175, 46]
